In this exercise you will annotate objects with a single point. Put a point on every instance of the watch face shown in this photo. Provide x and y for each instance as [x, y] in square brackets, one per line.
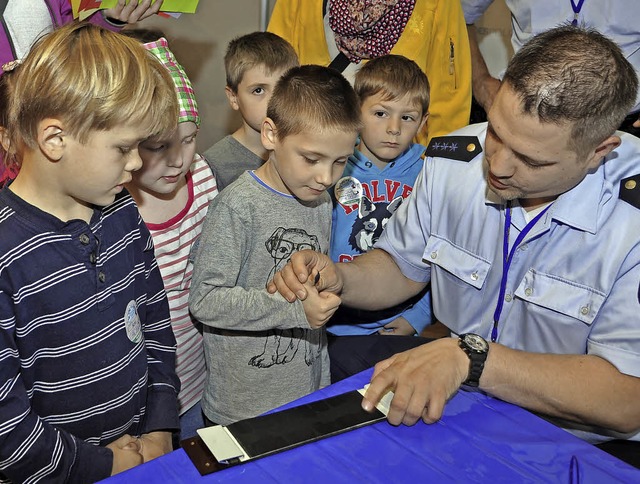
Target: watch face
[476, 343]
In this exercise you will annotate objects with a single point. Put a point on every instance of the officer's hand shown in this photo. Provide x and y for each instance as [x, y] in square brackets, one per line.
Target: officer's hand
[423, 379]
[290, 280]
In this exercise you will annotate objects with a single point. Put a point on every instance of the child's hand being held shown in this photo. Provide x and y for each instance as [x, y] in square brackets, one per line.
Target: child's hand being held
[155, 444]
[126, 454]
[319, 306]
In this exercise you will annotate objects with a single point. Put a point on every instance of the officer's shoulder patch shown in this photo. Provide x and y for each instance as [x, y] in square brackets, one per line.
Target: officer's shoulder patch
[461, 148]
[630, 190]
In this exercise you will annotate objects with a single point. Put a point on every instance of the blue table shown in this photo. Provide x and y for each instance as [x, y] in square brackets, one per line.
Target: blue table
[479, 439]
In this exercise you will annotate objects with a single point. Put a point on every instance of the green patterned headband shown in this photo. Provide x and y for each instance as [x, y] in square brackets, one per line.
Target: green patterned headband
[186, 95]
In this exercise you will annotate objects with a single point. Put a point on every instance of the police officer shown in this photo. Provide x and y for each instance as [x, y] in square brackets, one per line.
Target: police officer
[528, 229]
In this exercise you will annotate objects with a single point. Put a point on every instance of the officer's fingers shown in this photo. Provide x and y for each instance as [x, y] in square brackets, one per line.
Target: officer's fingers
[401, 405]
[433, 410]
[381, 383]
[382, 366]
[287, 284]
[303, 264]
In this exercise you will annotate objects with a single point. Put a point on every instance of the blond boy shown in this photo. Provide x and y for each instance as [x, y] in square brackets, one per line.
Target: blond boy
[86, 348]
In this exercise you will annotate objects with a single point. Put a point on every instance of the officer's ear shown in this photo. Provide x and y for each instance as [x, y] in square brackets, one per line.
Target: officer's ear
[596, 155]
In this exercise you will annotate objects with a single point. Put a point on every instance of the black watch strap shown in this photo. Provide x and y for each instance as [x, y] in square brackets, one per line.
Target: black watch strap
[477, 357]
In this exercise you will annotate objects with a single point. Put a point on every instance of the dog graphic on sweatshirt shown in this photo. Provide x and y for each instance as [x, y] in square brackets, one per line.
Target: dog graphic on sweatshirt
[281, 345]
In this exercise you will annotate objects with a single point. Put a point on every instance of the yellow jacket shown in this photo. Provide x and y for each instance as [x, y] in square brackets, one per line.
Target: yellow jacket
[435, 37]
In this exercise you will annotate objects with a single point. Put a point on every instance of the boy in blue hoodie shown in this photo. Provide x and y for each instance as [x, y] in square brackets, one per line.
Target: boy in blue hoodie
[394, 102]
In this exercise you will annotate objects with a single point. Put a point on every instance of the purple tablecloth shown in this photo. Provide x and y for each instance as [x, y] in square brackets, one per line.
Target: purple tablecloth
[478, 439]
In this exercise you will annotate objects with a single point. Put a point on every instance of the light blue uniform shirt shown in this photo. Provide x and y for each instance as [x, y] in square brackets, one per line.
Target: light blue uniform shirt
[617, 19]
[573, 284]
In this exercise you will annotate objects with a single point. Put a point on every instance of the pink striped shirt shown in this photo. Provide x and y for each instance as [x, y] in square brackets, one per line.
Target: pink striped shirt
[175, 243]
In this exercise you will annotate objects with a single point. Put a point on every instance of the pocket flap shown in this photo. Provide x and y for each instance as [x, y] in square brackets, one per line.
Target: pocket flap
[466, 266]
[560, 295]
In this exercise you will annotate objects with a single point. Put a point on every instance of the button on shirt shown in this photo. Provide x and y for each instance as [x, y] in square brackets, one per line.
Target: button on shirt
[574, 290]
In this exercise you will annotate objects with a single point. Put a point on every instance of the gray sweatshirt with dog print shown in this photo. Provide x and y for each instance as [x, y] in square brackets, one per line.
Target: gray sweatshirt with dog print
[260, 350]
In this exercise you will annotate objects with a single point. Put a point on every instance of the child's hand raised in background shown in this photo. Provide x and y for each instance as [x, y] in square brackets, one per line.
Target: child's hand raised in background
[319, 306]
[132, 12]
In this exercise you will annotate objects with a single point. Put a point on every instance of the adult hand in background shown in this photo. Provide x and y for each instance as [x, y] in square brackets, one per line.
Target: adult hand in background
[485, 90]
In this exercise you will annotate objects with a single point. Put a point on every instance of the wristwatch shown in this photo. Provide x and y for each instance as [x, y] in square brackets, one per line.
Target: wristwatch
[477, 349]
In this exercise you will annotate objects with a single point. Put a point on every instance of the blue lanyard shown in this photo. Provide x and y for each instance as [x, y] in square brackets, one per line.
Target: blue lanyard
[576, 11]
[506, 263]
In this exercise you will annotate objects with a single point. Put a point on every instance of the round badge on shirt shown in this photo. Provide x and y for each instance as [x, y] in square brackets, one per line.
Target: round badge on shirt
[132, 322]
[348, 191]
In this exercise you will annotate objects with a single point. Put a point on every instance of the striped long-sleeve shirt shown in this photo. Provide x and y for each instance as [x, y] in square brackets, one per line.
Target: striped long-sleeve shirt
[175, 242]
[86, 348]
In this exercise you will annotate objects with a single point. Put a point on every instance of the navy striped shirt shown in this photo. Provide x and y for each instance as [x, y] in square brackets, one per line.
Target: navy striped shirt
[87, 353]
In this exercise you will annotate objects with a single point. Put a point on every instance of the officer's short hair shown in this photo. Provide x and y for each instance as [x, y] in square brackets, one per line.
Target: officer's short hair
[577, 75]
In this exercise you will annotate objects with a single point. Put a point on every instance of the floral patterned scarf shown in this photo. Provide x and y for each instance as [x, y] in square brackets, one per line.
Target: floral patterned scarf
[366, 29]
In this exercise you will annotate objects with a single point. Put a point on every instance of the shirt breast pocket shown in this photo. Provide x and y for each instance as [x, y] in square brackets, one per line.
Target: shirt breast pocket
[457, 279]
[568, 298]
[459, 266]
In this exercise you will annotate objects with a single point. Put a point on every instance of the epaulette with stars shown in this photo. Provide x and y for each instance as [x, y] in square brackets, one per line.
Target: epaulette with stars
[630, 190]
[461, 148]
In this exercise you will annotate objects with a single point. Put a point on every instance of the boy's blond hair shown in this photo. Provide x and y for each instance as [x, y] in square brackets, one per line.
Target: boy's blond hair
[313, 98]
[396, 77]
[257, 49]
[7, 151]
[92, 79]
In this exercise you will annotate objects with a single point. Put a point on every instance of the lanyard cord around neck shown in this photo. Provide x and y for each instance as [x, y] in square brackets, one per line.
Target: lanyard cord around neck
[506, 262]
[576, 11]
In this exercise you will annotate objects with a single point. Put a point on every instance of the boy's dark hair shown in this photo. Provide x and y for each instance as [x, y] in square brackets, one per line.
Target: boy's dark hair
[313, 98]
[395, 76]
[257, 49]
